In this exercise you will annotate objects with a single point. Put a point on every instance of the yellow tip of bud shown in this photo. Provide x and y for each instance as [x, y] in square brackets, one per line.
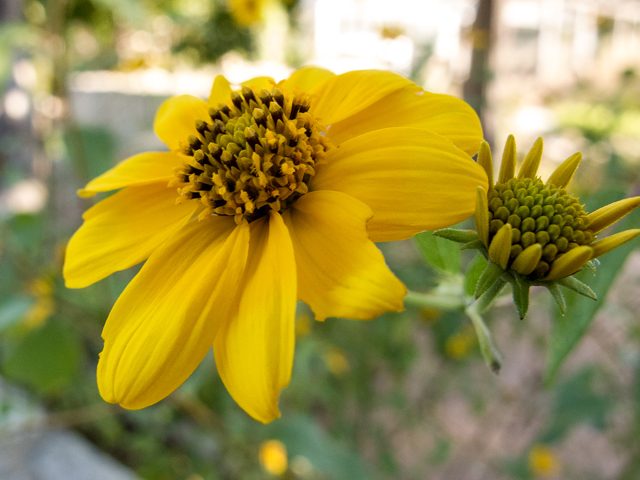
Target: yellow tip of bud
[500, 247]
[529, 167]
[569, 263]
[481, 216]
[485, 161]
[564, 173]
[508, 166]
[614, 241]
[528, 259]
[610, 214]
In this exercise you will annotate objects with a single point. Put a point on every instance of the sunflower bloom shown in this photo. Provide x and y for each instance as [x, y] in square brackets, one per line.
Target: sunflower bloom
[270, 194]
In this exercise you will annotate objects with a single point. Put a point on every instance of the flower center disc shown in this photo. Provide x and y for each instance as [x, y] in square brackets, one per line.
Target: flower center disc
[255, 155]
[538, 213]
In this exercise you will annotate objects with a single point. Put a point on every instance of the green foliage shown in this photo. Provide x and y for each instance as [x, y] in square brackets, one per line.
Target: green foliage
[46, 358]
[439, 252]
[576, 403]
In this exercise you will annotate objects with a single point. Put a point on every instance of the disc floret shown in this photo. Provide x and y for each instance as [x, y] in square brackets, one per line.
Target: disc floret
[255, 154]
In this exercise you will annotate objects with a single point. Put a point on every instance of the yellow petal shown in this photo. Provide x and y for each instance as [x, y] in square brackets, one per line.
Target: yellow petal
[610, 214]
[140, 169]
[254, 350]
[529, 167]
[121, 231]
[614, 241]
[341, 273]
[259, 83]
[569, 263]
[220, 93]
[481, 216]
[176, 119]
[508, 165]
[500, 247]
[344, 95]
[412, 179]
[165, 321]
[308, 77]
[564, 173]
[528, 259]
[443, 114]
[486, 162]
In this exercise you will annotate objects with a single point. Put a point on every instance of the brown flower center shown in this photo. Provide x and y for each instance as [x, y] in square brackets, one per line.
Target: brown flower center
[254, 155]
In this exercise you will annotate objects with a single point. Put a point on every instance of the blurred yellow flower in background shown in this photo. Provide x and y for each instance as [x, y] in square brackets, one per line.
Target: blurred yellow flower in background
[336, 361]
[273, 457]
[246, 12]
[543, 462]
[44, 306]
[281, 191]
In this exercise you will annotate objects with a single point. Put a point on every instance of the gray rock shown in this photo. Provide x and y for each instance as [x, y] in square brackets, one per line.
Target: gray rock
[57, 455]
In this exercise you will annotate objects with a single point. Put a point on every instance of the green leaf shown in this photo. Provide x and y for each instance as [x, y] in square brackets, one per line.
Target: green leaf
[557, 296]
[457, 235]
[521, 294]
[438, 252]
[575, 404]
[490, 275]
[46, 358]
[577, 286]
[473, 274]
[569, 329]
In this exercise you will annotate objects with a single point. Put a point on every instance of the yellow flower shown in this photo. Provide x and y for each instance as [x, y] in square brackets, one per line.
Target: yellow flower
[273, 457]
[281, 191]
[459, 345]
[543, 462]
[246, 12]
[536, 228]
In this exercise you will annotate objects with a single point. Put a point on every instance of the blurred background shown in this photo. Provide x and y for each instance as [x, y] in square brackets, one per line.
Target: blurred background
[406, 396]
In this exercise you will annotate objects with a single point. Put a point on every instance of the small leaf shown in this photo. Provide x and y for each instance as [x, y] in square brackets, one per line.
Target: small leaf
[457, 235]
[487, 299]
[475, 245]
[438, 252]
[572, 283]
[473, 274]
[521, 294]
[492, 273]
[557, 296]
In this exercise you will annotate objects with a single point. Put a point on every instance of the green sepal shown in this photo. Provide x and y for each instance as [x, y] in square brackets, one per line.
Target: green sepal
[457, 235]
[483, 303]
[475, 245]
[592, 265]
[521, 289]
[572, 283]
[557, 295]
[490, 275]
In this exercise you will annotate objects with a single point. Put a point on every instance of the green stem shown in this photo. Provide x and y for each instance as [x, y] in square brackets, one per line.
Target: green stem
[441, 302]
[489, 351]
